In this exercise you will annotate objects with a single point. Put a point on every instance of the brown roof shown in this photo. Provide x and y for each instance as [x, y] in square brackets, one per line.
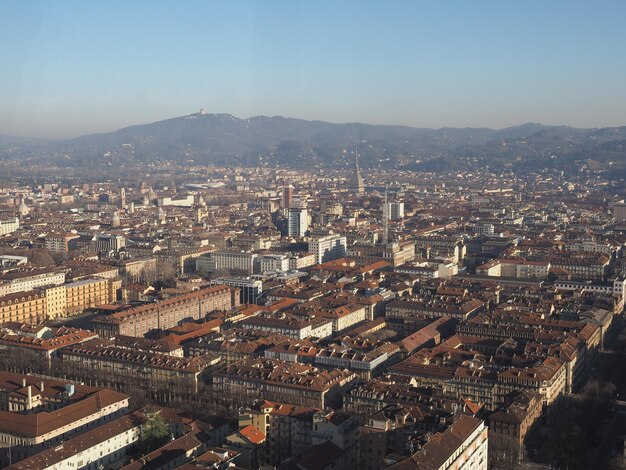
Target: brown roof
[252, 434]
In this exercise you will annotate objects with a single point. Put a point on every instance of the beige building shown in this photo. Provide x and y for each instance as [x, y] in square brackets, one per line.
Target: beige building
[167, 313]
[88, 293]
[23, 307]
[53, 302]
[395, 253]
[56, 302]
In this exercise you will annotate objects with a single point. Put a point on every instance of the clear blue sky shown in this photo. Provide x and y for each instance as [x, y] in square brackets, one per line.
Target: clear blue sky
[70, 67]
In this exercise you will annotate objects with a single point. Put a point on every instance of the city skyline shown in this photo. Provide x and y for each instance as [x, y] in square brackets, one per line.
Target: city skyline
[76, 69]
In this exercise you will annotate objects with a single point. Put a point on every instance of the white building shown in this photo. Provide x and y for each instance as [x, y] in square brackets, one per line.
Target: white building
[232, 261]
[314, 327]
[185, 201]
[9, 226]
[249, 289]
[11, 283]
[617, 288]
[515, 268]
[328, 248]
[298, 222]
[486, 229]
[107, 243]
[276, 262]
[429, 269]
[395, 210]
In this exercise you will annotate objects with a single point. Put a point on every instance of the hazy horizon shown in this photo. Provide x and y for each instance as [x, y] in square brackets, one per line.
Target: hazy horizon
[79, 68]
[106, 131]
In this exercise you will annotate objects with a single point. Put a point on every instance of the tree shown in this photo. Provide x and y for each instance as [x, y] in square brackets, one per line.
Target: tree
[154, 432]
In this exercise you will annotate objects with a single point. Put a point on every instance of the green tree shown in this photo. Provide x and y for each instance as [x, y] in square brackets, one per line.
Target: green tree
[154, 432]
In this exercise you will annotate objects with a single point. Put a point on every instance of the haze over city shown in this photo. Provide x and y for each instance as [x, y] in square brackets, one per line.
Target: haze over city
[72, 68]
[322, 235]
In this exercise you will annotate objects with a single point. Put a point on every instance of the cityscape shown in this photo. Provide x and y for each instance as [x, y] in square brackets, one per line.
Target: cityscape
[195, 289]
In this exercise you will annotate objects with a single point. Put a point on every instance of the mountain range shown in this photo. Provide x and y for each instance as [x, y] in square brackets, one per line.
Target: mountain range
[222, 139]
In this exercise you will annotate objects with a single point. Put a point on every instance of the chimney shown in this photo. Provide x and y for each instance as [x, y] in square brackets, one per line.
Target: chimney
[41, 386]
[24, 382]
[30, 397]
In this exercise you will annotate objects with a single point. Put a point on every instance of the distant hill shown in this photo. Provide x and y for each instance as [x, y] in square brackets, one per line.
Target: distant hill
[222, 139]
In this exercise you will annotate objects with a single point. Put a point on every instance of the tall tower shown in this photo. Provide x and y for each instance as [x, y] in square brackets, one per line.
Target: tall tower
[298, 219]
[356, 184]
[122, 198]
[287, 195]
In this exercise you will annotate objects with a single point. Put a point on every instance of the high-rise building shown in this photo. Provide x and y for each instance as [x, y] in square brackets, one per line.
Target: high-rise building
[356, 184]
[298, 221]
[287, 195]
[395, 210]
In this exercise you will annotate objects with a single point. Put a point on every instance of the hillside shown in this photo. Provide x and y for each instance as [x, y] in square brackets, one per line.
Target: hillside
[222, 139]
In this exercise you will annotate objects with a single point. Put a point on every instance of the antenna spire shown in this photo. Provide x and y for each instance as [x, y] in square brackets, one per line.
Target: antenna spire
[386, 217]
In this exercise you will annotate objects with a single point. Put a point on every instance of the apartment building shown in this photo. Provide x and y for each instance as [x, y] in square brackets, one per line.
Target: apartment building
[454, 368]
[362, 356]
[38, 413]
[167, 313]
[87, 293]
[298, 222]
[287, 428]
[181, 260]
[146, 368]
[235, 262]
[328, 248]
[299, 384]
[458, 308]
[24, 281]
[15, 338]
[106, 243]
[395, 253]
[57, 301]
[451, 247]
[9, 226]
[515, 268]
[97, 448]
[249, 289]
[510, 426]
[140, 270]
[297, 327]
[463, 446]
[23, 307]
[60, 242]
[273, 263]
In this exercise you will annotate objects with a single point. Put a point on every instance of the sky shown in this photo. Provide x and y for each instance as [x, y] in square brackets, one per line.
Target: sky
[73, 67]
